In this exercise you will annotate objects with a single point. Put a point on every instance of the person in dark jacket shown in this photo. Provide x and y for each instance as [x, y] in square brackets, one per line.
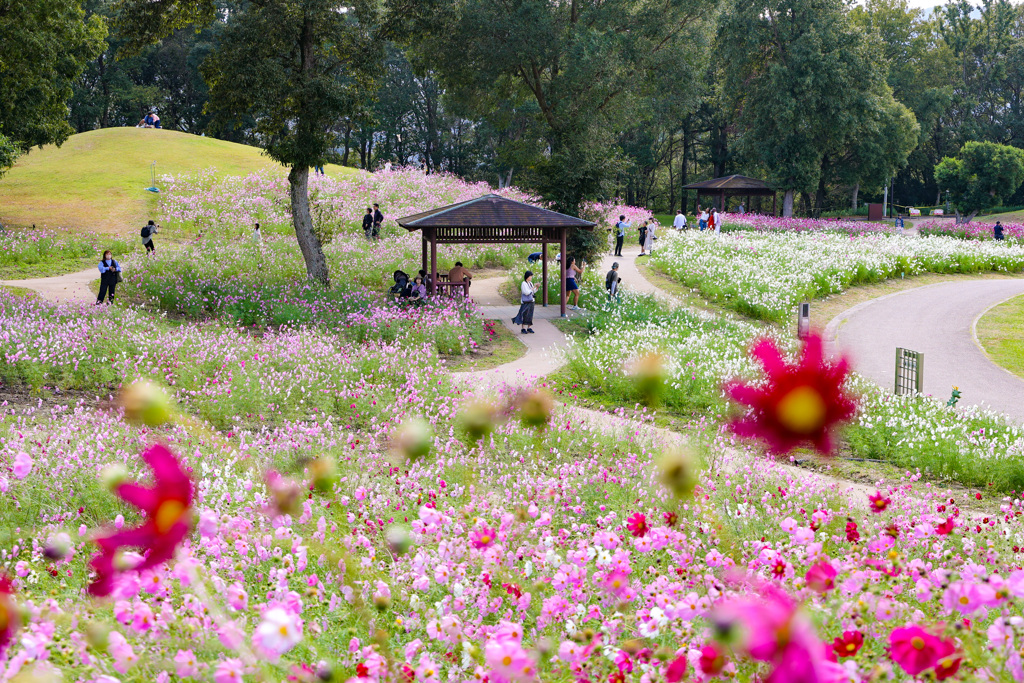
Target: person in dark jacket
[378, 221]
[368, 223]
[110, 270]
[611, 282]
[997, 230]
[148, 231]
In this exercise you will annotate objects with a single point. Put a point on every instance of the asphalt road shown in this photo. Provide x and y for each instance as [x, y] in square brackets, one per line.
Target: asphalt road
[937, 320]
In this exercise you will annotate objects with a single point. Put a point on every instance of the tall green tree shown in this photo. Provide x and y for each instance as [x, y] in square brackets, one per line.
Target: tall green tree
[584, 63]
[981, 175]
[44, 45]
[294, 67]
[808, 87]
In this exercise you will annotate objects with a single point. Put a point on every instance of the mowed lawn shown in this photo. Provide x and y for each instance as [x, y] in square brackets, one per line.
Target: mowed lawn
[1001, 333]
[97, 180]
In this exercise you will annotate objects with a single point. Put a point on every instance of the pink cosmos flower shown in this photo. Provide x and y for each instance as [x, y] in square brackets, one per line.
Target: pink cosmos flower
[916, 650]
[185, 664]
[879, 502]
[616, 582]
[821, 577]
[508, 661]
[9, 622]
[483, 537]
[229, 671]
[676, 670]
[279, 632]
[967, 597]
[22, 465]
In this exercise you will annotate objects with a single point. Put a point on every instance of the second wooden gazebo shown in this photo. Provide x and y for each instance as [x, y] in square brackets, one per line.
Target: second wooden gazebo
[492, 219]
[731, 186]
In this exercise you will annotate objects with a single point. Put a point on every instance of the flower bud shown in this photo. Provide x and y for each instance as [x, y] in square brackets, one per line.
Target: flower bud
[57, 547]
[477, 420]
[145, 403]
[679, 469]
[398, 540]
[414, 439]
[535, 409]
[97, 636]
[648, 375]
[324, 671]
[324, 473]
[285, 494]
[113, 476]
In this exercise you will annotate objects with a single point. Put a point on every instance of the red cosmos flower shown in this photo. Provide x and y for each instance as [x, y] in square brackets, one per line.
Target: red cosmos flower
[637, 525]
[849, 645]
[946, 528]
[168, 519]
[949, 663]
[821, 577]
[9, 622]
[852, 535]
[879, 502]
[670, 518]
[712, 660]
[917, 650]
[799, 403]
[676, 671]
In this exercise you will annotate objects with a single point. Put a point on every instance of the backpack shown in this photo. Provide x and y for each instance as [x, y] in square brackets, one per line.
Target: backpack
[145, 232]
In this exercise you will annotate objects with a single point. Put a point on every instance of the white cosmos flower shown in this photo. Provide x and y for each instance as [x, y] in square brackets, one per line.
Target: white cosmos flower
[280, 631]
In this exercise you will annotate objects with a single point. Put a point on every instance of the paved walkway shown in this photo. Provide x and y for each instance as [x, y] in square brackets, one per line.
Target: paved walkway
[70, 287]
[938, 320]
[543, 348]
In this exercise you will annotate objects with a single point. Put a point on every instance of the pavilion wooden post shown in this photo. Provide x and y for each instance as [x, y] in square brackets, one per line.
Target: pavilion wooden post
[562, 278]
[544, 272]
[433, 260]
[423, 234]
[773, 203]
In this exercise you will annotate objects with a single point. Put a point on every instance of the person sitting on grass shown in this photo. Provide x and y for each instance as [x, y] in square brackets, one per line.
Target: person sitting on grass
[524, 318]
[110, 272]
[418, 291]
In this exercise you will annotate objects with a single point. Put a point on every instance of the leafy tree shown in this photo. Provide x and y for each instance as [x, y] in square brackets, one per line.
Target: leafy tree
[9, 153]
[296, 67]
[811, 93]
[44, 45]
[981, 175]
[582, 62]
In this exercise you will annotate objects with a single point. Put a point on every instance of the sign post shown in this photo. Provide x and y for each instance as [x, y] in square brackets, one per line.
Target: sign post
[909, 372]
[803, 321]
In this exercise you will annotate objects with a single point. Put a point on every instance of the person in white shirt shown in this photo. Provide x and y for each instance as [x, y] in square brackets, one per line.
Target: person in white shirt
[703, 220]
[526, 296]
[680, 221]
[717, 220]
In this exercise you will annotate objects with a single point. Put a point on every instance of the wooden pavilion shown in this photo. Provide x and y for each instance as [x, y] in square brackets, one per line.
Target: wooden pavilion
[494, 220]
[732, 186]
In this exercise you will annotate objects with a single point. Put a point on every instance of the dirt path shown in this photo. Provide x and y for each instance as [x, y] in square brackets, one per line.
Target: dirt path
[72, 287]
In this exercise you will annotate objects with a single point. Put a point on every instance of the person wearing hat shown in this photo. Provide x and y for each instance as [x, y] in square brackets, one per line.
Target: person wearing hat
[611, 282]
[524, 318]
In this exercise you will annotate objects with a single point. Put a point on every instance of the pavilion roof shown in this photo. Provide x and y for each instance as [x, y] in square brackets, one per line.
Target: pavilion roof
[492, 211]
[740, 184]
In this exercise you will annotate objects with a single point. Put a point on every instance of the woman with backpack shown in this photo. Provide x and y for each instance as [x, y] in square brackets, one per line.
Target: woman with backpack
[148, 231]
[110, 275]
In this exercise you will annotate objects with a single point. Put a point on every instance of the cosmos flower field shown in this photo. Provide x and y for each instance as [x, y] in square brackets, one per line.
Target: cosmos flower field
[188, 495]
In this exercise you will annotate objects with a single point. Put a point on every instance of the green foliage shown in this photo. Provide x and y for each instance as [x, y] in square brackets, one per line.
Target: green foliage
[9, 153]
[44, 45]
[982, 174]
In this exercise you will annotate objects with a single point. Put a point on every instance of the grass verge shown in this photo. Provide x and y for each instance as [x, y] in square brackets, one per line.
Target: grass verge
[1001, 333]
[503, 347]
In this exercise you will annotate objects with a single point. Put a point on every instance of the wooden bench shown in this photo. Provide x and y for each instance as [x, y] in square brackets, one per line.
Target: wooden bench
[449, 288]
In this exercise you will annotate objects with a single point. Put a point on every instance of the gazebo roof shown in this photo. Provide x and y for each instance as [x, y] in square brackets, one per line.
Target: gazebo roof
[492, 211]
[738, 184]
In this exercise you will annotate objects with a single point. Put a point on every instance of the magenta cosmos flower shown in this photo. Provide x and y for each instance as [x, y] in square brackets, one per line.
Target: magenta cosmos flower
[8, 614]
[916, 650]
[167, 507]
[798, 403]
[637, 525]
[483, 537]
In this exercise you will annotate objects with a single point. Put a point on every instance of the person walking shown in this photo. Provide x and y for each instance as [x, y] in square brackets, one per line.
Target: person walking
[148, 231]
[378, 221]
[368, 223]
[620, 234]
[642, 231]
[702, 222]
[715, 221]
[611, 282]
[572, 287]
[680, 221]
[652, 234]
[997, 230]
[257, 236]
[110, 275]
[318, 169]
[524, 318]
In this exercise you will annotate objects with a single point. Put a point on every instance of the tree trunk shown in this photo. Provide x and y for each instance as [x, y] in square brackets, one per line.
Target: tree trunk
[787, 204]
[348, 140]
[671, 175]
[856, 191]
[309, 243]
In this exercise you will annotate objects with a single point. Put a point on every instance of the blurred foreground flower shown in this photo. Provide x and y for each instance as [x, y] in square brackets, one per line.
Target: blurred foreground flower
[9, 621]
[916, 650]
[679, 469]
[285, 494]
[414, 439]
[648, 375]
[798, 403]
[477, 419]
[167, 506]
[535, 408]
[145, 403]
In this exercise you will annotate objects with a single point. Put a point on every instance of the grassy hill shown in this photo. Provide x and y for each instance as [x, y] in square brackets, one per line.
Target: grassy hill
[96, 180]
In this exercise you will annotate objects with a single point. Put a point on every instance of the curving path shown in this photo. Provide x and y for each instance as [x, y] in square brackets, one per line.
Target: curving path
[70, 287]
[937, 320]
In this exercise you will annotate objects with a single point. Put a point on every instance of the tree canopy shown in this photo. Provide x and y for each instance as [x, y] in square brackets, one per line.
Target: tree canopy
[981, 175]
